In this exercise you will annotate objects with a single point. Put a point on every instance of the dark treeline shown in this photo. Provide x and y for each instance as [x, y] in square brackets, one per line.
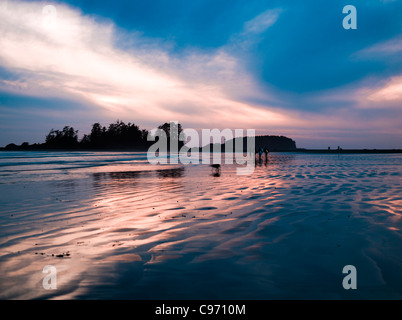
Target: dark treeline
[118, 135]
[122, 136]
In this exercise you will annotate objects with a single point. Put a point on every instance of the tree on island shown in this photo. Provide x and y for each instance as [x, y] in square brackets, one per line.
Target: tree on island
[177, 129]
[66, 138]
[116, 135]
[173, 131]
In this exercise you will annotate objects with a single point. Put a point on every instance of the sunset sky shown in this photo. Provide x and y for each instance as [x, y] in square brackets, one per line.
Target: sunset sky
[281, 67]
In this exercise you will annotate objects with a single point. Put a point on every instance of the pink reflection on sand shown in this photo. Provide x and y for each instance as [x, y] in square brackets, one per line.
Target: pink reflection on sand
[152, 220]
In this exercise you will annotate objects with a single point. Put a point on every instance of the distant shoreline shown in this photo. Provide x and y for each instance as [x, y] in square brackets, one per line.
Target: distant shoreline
[346, 151]
[299, 150]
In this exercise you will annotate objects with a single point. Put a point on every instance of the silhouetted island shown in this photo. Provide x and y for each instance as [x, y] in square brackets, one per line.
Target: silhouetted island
[129, 137]
[117, 136]
[120, 136]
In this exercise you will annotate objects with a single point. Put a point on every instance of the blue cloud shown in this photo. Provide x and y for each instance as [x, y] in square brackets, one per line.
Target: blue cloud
[305, 50]
[24, 102]
[308, 50]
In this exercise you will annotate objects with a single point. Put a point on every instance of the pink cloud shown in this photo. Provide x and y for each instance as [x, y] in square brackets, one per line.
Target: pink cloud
[75, 55]
[392, 91]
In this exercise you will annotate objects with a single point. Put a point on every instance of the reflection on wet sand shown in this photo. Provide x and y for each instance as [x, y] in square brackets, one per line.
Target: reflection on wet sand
[171, 173]
[185, 232]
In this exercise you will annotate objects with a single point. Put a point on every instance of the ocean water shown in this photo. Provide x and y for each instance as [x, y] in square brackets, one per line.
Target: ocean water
[116, 227]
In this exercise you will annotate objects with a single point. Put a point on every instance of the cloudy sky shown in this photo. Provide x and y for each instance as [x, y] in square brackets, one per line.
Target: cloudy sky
[278, 66]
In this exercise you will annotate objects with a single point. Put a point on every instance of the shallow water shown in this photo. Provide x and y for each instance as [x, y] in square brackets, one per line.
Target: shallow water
[128, 230]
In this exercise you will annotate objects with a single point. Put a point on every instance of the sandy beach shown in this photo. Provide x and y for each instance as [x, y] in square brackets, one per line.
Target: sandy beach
[116, 227]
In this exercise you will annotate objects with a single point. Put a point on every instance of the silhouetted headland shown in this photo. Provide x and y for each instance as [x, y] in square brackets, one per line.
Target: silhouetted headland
[346, 151]
[272, 143]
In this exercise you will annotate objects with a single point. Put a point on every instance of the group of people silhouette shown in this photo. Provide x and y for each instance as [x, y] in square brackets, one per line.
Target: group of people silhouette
[259, 151]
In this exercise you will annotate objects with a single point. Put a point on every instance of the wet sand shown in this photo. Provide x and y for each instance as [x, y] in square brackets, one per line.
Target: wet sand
[117, 228]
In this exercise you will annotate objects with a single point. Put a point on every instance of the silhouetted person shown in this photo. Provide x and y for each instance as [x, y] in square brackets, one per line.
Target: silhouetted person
[259, 151]
[217, 170]
[266, 151]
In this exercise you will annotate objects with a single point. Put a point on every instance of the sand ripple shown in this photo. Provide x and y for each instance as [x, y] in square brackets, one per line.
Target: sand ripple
[116, 230]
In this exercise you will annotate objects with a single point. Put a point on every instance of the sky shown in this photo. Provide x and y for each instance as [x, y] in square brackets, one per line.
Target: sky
[282, 67]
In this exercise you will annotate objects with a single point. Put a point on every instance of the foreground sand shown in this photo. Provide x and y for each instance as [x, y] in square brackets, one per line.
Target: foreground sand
[138, 232]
